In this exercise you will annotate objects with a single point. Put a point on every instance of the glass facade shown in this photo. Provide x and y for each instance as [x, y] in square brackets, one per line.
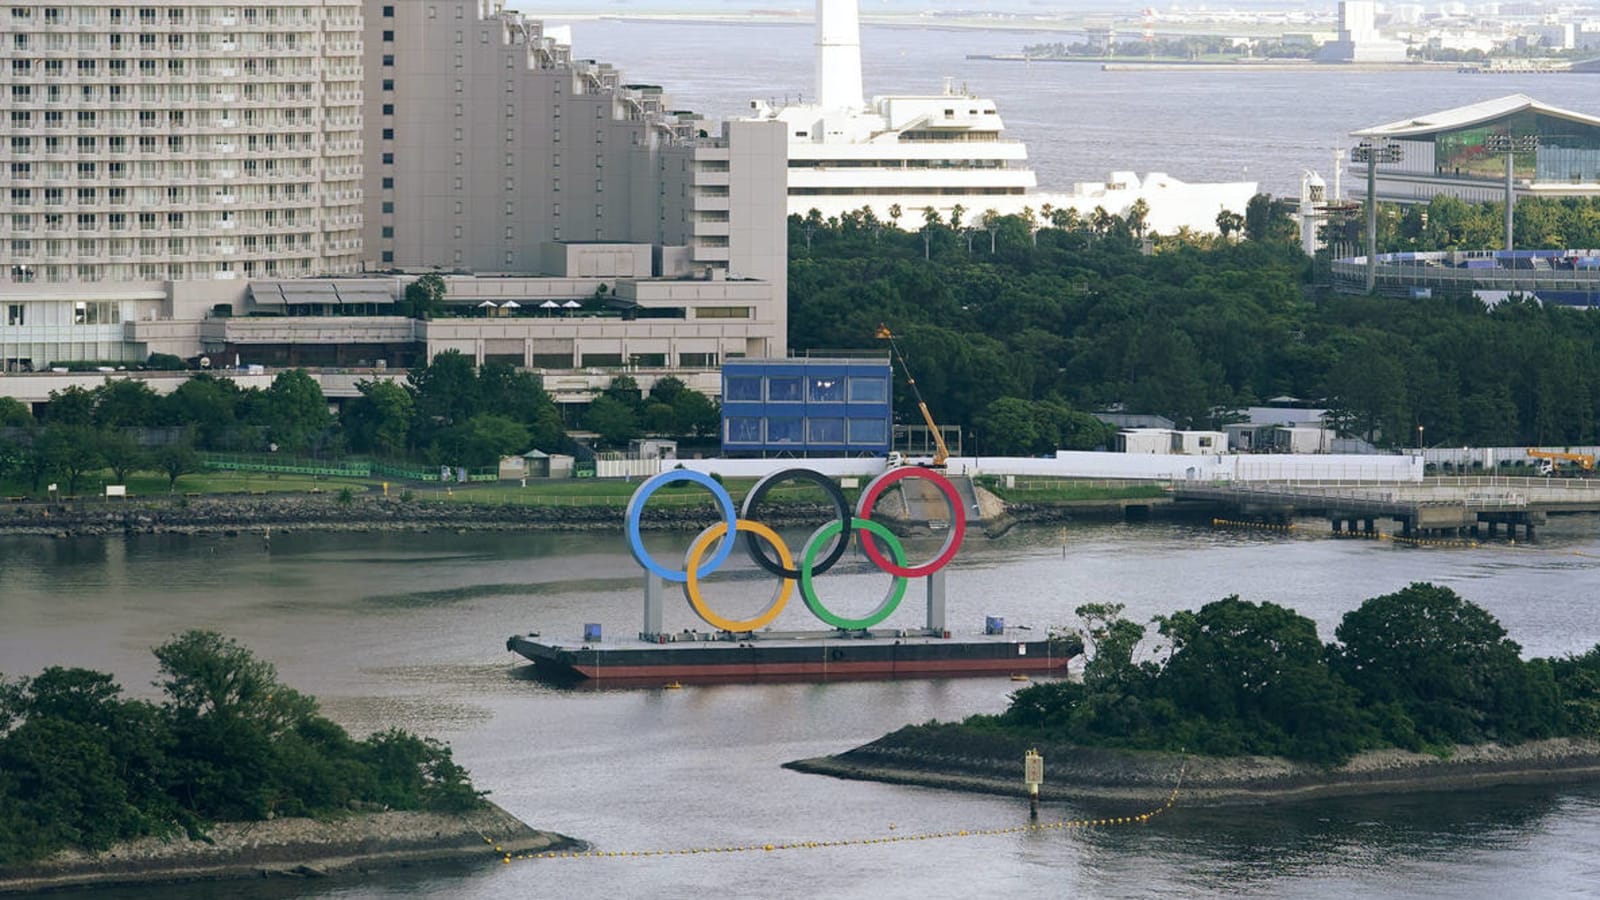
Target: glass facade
[1568, 151]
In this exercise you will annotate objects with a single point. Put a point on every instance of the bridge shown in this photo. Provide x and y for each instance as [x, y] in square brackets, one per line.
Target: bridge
[1437, 506]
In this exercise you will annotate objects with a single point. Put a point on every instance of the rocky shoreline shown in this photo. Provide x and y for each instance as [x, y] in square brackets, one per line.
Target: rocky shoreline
[294, 848]
[237, 513]
[956, 758]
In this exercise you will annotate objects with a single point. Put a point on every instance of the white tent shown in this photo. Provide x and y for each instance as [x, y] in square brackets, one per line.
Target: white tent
[572, 304]
[511, 304]
[487, 304]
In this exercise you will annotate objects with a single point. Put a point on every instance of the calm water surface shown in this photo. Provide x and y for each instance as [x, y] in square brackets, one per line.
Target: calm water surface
[409, 630]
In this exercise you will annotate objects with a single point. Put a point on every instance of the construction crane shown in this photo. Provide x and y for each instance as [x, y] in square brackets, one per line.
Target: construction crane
[941, 452]
[1552, 459]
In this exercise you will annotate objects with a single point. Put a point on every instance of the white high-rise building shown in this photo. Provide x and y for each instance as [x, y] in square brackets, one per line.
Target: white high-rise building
[157, 155]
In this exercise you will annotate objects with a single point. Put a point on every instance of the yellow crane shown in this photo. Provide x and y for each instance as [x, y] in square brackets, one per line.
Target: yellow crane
[1553, 458]
[941, 452]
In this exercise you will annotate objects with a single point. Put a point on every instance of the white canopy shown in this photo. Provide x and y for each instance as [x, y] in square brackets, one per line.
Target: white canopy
[487, 303]
[572, 304]
[511, 304]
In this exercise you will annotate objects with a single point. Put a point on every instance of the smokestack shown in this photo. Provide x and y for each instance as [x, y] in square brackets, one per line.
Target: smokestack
[838, 54]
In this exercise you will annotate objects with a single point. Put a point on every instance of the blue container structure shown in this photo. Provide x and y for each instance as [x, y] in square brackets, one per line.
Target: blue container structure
[806, 407]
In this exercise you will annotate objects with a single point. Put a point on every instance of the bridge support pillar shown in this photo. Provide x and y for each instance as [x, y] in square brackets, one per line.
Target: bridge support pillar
[1406, 528]
[1338, 524]
[1369, 526]
[1494, 528]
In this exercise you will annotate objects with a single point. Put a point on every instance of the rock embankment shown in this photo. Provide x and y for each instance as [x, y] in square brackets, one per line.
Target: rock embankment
[327, 512]
[294, 848]
[961, 759]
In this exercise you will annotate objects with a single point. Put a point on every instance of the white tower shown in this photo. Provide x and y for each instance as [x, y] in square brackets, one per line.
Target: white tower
[1313, 200]
[838, 55]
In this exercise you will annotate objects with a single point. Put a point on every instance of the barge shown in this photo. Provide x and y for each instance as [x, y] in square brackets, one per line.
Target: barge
[697, 657]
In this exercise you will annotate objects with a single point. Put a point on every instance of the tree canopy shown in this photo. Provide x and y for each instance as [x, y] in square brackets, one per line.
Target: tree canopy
[80, 765]
[1419, 669]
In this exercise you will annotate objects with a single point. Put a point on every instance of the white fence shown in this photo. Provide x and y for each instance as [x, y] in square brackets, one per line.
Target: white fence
[1074, 464]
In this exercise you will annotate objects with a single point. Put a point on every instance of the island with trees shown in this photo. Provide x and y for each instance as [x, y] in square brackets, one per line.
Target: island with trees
[1420, 690]
[232, 774]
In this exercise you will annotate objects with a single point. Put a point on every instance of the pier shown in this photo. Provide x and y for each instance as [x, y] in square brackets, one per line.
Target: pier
[1452, 506]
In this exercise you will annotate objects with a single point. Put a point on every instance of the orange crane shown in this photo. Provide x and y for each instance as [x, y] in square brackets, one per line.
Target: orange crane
[941, 452]
[1553, 458]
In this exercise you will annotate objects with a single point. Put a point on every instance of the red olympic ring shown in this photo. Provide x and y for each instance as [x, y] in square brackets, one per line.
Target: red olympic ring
[952, 541]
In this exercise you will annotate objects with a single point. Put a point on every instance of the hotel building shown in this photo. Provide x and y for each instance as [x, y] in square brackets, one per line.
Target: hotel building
[185, 177]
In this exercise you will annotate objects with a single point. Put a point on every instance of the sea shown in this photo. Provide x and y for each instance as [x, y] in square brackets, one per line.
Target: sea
[409, 629]
[1081, 121]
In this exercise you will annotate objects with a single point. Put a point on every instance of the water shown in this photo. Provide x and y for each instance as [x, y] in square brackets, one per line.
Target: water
[1080, 123]
[408, 630]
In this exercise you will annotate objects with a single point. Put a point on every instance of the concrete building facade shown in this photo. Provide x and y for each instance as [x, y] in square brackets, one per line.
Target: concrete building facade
[285, 140]
[157, 156]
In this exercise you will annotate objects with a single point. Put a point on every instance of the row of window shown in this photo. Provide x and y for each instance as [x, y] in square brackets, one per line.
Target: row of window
[84, 312]
[807, 389]
[149, 15]
[811, 430]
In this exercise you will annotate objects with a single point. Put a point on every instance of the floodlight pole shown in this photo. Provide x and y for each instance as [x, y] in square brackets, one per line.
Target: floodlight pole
[1511, 145]
[1372, 154]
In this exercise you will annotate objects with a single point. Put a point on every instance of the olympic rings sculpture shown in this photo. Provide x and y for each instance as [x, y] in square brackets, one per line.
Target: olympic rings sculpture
[835, 535]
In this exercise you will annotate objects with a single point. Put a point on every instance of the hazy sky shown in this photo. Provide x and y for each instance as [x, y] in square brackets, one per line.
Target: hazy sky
[868, 7]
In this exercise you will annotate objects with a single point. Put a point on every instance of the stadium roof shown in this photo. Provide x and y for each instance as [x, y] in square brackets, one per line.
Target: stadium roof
[1467, 116]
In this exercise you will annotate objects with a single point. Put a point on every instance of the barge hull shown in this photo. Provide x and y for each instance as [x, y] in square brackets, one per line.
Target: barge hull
[813, 660]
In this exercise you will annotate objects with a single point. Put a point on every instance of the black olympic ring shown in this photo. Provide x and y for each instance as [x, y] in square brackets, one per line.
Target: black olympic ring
[758, 551]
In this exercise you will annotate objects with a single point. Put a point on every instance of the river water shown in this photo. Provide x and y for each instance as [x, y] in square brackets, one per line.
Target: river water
[1080, 122]
[409, 630]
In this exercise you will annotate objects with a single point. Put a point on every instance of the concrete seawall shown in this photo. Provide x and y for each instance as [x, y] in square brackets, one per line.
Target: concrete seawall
[986, 762]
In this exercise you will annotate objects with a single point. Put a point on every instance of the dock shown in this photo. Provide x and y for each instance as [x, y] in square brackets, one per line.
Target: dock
[1452, 506]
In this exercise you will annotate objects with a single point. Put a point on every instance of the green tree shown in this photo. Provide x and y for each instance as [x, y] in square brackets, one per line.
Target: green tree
[296, 412]
[613, 420]
[444, 392]
[425, 296]
[1446, 664]
[481, 441]
[379, 420]
[14, 413]
[125, 403]
[70, 406]
[73, 450]
[207, 403]
[1253, 679]
[696, 414]
[178, 459]
[121, 452]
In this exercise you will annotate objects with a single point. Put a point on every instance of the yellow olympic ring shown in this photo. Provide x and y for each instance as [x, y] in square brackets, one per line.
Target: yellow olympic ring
[691, 587]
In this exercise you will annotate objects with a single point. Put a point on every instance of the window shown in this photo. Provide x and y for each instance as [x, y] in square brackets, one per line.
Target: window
[388, 231]
[785, 430]
[388, 256]
[388, 84]
[388, 207]
[388, 59]
[868, 390]
[16, 313]
[388, 184]
[825, 431]
[388, 13]
[388, 134]
[388, 109]
[784, 389]
[388, 159]
[744, 429]
[869, 431]
[743, 387]
[826, 389]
